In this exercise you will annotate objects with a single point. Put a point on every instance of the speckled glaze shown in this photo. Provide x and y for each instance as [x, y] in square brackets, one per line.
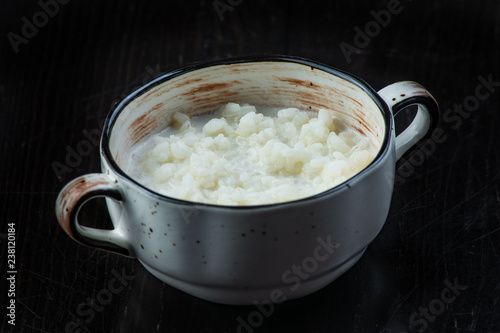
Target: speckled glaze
[237, 255]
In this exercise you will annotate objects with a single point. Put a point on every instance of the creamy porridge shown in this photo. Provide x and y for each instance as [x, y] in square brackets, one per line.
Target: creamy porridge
[243, 155]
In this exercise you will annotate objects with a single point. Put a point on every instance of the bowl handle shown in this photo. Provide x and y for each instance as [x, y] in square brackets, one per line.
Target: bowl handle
[71, 199]
[402, 94]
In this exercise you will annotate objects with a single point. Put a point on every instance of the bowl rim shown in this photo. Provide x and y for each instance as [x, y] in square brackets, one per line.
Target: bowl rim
[116, 111]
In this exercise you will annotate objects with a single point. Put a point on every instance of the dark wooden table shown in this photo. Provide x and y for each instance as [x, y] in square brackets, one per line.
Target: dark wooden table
[435, 266]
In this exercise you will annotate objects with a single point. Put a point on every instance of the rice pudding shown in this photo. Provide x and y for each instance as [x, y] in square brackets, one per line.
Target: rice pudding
[247, 155]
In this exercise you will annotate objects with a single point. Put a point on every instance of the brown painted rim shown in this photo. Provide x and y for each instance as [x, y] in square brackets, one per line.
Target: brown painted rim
[115, 113]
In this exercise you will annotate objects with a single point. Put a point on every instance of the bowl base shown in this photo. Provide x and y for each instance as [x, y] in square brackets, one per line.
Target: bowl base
[236, 296]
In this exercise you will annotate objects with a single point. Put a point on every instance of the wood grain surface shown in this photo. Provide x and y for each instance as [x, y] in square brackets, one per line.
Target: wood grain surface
[58, 84]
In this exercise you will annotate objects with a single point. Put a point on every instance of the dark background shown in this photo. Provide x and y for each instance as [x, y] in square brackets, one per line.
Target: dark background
[444, 220]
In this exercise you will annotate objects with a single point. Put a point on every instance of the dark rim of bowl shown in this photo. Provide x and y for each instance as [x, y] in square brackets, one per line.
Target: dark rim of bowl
[114, 114]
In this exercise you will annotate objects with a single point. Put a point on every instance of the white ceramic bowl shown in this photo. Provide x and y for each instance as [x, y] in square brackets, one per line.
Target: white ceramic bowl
[236, 255]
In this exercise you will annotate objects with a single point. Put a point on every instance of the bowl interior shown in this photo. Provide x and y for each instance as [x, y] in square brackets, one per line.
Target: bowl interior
[268, 83]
